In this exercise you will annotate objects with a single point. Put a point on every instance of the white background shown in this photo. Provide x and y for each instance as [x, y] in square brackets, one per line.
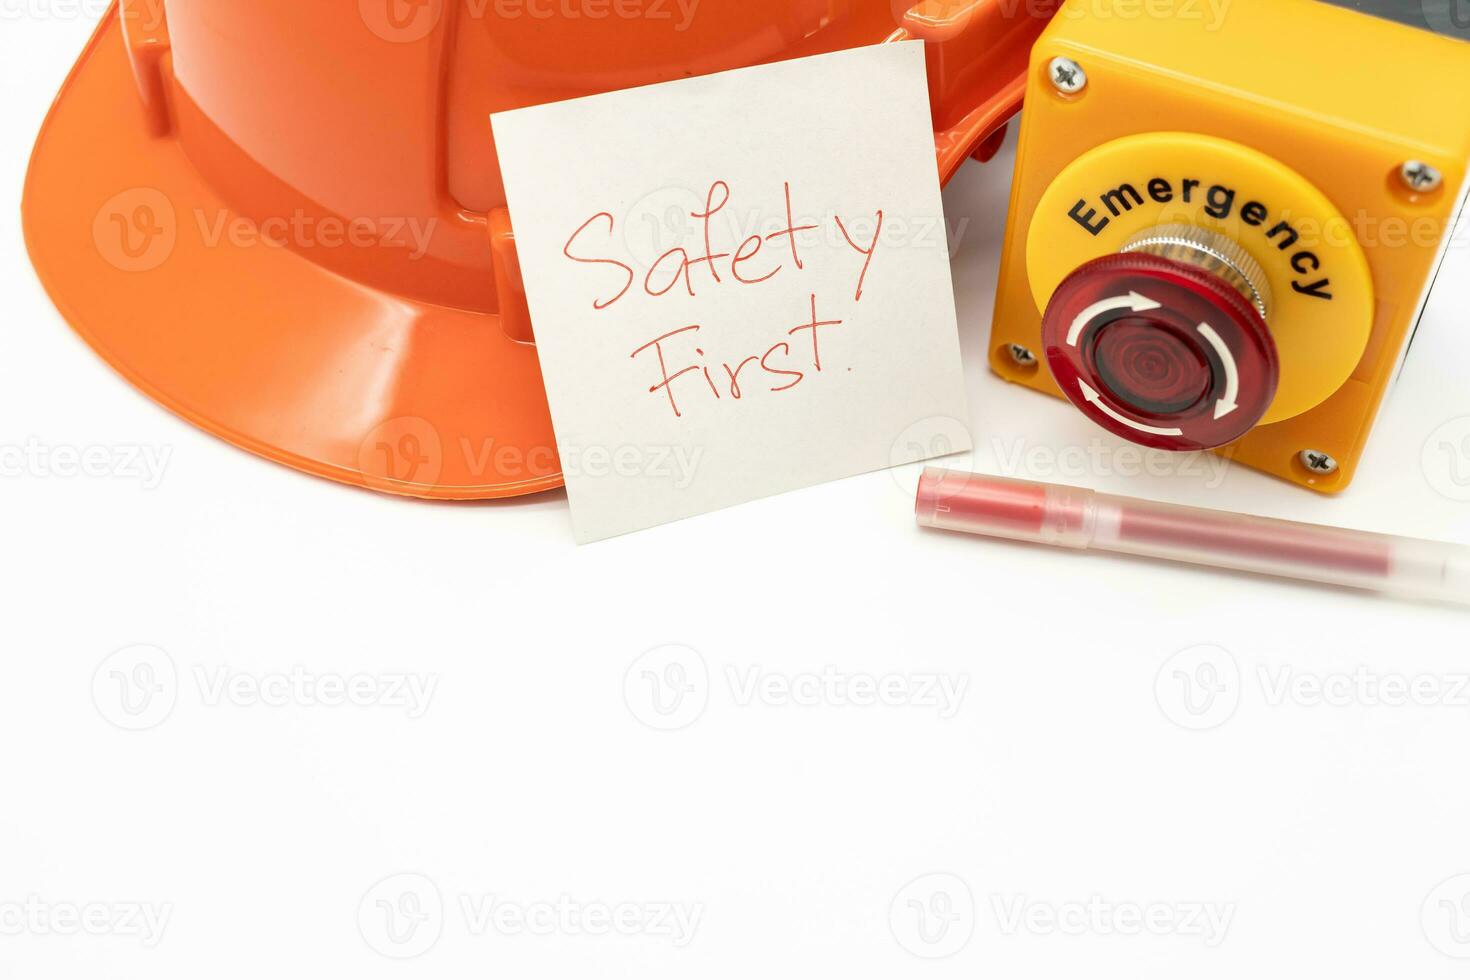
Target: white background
[1083, 776]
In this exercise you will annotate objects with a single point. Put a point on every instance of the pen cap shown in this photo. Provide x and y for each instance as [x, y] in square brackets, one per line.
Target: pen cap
[1004, 508]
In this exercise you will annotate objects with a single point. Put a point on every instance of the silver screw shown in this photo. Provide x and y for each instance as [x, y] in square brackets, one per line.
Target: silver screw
[1317, 462]
[1067, 76]
[1022, 355]
[1420, 176]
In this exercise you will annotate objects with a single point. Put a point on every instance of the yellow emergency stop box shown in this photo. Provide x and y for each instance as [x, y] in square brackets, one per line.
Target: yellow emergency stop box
[1309, 158]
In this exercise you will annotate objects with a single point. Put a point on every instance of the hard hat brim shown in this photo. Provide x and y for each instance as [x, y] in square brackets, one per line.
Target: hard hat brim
[254, 342]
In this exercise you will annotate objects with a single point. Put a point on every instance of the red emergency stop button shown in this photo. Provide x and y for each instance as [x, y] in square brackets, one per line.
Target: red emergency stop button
[1160, 351]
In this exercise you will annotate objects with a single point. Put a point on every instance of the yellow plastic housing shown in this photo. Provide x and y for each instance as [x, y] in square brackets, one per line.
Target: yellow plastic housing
[1305, 110]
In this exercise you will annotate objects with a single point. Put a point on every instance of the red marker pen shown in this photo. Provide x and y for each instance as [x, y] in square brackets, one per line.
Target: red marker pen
[1069, 517]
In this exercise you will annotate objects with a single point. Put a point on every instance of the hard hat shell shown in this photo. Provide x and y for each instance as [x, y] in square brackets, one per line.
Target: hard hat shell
[284, 220]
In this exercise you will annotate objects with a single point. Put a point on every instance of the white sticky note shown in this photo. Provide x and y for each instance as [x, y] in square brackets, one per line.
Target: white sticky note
[714, 320]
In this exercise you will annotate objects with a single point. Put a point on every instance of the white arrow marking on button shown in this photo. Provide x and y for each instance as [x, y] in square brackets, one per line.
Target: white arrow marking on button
[1133, 301]
[1229, 403]
[1091, 395]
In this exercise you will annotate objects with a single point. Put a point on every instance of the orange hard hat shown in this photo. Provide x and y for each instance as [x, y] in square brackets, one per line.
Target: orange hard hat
[284, 220]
